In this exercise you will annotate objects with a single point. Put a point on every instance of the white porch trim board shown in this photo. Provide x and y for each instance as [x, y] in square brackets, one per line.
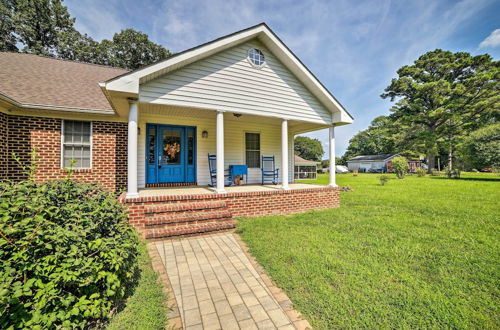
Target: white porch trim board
[132, 150]
[284, 155]
[331, 145]
[220, 152]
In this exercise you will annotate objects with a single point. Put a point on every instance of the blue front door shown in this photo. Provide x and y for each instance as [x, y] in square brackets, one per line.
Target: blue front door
[171, 154]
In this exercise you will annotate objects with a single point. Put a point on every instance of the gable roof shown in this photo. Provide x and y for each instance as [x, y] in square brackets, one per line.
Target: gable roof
[32, 81]
[372, 157]
[301, 161]
[129, 82]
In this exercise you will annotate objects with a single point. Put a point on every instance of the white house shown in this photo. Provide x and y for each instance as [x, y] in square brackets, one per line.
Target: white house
[365, 163]
[240, 97]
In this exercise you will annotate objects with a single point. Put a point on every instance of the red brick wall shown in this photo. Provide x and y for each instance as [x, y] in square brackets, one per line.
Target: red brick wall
[3, 146]
[248, 204]
[109, 150]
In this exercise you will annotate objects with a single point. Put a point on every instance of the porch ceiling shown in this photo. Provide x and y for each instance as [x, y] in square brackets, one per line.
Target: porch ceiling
[176, 111]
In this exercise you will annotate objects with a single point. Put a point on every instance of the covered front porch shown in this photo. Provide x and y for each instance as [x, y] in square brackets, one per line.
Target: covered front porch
[240, 99]
[169, 146]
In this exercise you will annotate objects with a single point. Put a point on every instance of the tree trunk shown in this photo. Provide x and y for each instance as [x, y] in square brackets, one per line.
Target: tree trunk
[430, 163]
[450, 158]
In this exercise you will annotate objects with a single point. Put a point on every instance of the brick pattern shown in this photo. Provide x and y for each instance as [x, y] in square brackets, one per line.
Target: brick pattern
[216, 286]
[176, 219]
[171, 184]
[3, 146]
[109, 151]
[244, 204]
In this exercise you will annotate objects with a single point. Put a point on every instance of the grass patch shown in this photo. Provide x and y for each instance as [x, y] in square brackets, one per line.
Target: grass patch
[145, 308]
[421, 252]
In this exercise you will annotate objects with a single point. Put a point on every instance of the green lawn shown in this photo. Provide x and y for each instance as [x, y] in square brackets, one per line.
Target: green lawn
[415, 253]
[145, 308]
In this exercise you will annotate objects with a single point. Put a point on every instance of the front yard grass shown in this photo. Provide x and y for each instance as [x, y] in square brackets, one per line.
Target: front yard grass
[415, 253]
[145, 308]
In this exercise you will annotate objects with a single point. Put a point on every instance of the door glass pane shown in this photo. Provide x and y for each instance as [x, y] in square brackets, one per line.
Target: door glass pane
[190, 138]
[171, 153]
[151, 145]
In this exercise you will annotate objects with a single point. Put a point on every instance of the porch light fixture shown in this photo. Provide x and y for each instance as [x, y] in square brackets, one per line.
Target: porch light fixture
[237, 115]
[204, 134]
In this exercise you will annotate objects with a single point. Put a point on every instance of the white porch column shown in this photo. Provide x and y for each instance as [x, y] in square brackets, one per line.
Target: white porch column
[284, 155]
[220, 152]
[332, 156]
[132, 150]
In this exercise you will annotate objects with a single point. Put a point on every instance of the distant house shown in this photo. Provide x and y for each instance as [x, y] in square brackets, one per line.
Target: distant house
[367, 163]
[378, 163]
[305, 169]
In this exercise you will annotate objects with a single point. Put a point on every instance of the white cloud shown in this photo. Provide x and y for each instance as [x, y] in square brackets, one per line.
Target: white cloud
[493, 40]
[100, 20]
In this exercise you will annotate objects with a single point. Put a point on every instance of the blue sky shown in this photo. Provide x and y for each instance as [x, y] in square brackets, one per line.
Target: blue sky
[353, 47]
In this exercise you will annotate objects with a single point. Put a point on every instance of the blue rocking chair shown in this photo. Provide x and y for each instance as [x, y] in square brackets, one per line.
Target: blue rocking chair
[212, 166]
[269, 170]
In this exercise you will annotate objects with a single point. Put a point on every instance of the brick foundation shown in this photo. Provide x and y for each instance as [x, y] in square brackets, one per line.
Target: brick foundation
[109, 150]
[244, 204]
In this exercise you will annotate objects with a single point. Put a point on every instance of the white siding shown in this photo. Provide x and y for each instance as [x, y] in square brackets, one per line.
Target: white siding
[227, 81]
[234, 134]
[364, 164]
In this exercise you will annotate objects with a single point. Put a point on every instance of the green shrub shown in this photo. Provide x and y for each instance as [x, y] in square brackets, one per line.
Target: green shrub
[384, 178]
[67, 254]
[420, 172]
[400, 165]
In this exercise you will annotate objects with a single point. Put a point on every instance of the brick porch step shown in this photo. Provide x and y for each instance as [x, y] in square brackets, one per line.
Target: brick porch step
[182, 207]
[185, 218]
[181, 217]
[189, 228]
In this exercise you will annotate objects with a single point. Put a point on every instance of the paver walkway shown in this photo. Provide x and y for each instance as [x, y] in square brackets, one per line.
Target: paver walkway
[217, 287]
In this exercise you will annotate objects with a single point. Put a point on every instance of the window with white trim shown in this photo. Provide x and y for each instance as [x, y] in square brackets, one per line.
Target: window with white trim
[256, 57]
[252, 150]
[76, 144]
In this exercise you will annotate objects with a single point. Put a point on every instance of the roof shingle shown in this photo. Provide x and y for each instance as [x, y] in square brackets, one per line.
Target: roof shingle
[371, 157]
[44, 81]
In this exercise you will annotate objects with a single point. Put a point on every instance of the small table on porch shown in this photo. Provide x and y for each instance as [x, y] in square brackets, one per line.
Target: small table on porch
[238, 170]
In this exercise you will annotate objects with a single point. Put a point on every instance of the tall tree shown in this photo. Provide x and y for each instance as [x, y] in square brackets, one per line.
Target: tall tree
[132, 49]
[75, 46]
[381, 137]
[7, 26]
[307, 148]
[45, 27]
[38, 24]
[482, 147]
[442, 95]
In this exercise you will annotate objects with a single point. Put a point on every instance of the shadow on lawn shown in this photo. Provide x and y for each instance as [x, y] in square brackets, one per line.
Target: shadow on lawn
[467, 179]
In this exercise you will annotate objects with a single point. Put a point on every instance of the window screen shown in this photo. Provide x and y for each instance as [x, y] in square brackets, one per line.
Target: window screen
[252, 149]
[76, 143]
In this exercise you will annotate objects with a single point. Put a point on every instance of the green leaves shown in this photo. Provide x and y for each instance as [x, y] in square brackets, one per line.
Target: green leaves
[308, 148]
[67, 254]
[443, 97]
[400, 165]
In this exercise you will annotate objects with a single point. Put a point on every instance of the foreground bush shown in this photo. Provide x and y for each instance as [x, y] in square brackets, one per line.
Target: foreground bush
[421, 172]
[67, 251]
[384, 178]
[401, 167]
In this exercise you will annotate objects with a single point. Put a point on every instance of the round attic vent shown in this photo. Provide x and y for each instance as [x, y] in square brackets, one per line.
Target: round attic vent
[256, 57]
